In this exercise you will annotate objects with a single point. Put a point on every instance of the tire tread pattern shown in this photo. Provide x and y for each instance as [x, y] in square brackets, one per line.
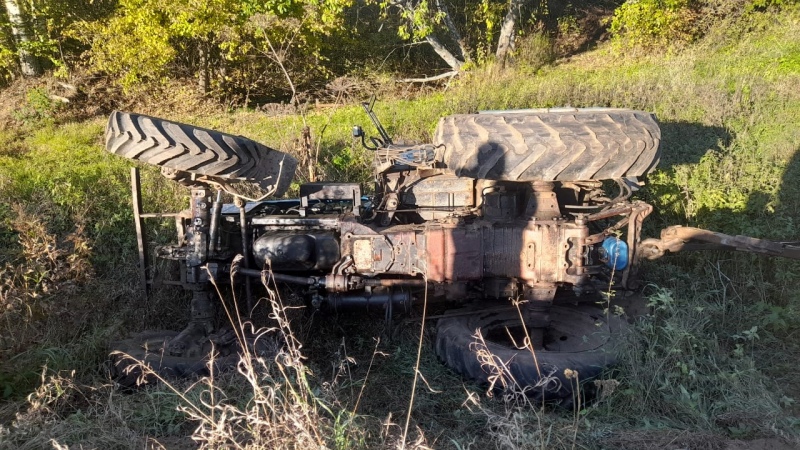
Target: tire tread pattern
[584, 144]
[198, 150]
[140, 360]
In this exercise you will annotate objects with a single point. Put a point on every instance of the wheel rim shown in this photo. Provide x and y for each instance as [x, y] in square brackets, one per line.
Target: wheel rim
[571, 330]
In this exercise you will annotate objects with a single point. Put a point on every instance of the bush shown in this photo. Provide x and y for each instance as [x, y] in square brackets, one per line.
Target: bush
[651, 23]
[38, 108]
[535, 51]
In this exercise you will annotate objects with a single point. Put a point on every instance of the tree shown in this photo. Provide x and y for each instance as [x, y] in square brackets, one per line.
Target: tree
[427, 20]
[28, 62]
[420, 21]
[225, 44]
[37, 35]
[508, 31]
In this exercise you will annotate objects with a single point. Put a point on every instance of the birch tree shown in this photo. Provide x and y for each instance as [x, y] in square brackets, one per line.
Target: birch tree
[508, 31]
[29, 64]
[421, 19]
[430, 21]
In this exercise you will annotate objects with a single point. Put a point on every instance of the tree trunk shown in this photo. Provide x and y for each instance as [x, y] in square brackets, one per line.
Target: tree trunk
[204, 77]
[444, 53]
[29, 64]
[508, 31]
[454, 34]
[452, 60]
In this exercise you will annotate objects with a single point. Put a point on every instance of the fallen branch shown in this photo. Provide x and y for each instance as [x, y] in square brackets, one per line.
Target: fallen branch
[451, 74]
[58, 98]
[69, 87]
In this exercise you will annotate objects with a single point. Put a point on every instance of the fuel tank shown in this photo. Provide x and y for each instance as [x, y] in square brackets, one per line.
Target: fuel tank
[296, 250]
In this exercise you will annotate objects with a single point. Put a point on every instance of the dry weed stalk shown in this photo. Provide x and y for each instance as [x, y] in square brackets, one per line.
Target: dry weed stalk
[282, 410]
[420, 442]
[44, 264]
[62, 410]
[500, 376]
[512, 430]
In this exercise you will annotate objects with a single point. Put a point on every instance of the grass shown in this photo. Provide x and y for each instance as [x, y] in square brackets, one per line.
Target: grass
[714, 362]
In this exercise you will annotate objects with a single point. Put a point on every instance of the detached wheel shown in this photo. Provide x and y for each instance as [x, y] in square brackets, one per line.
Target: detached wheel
[181, 148]
[136, 361]
[550, 145]
[580, 338]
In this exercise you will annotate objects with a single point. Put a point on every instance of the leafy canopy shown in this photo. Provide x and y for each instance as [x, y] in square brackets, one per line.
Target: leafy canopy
[144, 38]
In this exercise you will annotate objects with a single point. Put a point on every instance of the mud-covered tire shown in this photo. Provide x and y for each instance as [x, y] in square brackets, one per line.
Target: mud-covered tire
[580, 338]
[208, 153]
[550, 145]
[137, 360]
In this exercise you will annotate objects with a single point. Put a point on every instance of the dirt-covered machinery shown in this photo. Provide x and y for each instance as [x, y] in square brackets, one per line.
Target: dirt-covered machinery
[525, 217]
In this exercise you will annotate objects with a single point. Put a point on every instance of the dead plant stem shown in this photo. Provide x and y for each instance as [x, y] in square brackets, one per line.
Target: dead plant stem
[369, 368]
[416, 365]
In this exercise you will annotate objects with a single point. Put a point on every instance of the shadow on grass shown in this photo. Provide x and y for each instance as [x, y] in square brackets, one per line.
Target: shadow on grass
[687, 142]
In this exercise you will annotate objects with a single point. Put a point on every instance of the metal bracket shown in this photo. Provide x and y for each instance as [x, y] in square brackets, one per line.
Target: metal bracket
[678, 238]
[330, 191]
[136, 192]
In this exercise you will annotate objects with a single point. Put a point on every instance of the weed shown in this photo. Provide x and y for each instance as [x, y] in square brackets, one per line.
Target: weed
[280, 408]
[653, 23]
[44, 266]
[38, 108]
[681, 363]
[62, 412]
[535, 52]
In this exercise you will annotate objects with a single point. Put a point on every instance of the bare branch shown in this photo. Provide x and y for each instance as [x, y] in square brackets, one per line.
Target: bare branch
[450, 74]
[451, 27]
[444, 53]
[279, 59]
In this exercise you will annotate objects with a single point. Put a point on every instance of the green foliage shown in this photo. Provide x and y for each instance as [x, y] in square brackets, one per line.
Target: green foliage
[38, 108]
[486, 19]
[64, 172]
[231, 43]
[763, 4]
[417, 21]
[650, 23]
[689, 360]
[477, 23]
[48, 24]
[729, 190]
[348, 162]
[535, 51]
[133, 45]
[8, 55]
[8, 63]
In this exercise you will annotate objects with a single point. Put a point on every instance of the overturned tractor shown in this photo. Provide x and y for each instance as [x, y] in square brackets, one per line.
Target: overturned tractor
[526, 218]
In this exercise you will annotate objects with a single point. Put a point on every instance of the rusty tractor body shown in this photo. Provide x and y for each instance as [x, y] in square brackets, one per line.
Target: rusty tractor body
[533, 207]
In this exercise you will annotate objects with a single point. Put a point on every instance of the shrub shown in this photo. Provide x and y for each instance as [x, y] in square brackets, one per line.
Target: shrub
[535, 51]
[651, 23]
[38, 107]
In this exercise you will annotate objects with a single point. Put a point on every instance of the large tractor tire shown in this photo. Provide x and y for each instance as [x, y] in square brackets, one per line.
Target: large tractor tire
[550, 145]
[143, 358]
[182, 148]
[579, 346]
